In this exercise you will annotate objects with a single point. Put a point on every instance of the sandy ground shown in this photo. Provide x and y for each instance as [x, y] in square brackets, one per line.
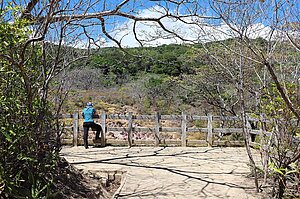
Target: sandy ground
[171, 172]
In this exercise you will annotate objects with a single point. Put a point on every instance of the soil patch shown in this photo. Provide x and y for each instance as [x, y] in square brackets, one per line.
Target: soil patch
[71, 182]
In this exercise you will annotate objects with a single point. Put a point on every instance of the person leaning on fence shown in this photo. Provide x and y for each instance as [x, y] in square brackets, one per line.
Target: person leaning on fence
[88, 113]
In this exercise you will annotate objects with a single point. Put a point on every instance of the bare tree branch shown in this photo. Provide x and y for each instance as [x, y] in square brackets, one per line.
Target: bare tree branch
[292, 41]
[106, 33]
[29, 7]
[281, 91]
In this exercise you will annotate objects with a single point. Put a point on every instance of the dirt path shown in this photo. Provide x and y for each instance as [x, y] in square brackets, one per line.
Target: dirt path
[172, 172]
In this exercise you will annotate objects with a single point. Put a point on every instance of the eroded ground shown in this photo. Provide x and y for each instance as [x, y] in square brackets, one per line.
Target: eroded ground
[172, 172]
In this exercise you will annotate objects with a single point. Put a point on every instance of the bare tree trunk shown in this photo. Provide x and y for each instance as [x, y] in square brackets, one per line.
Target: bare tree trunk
[282, 185]
[281, 90]
[246, 130]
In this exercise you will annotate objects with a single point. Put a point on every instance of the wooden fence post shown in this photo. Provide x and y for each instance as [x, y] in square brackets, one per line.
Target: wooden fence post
[75, 129]
[248, 129]
[129, 129]
[183, 129]
[209, 130]
[104, 129]
[157, 128]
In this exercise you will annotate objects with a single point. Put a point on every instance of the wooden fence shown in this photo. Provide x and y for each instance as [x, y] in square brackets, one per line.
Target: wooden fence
[182, 121]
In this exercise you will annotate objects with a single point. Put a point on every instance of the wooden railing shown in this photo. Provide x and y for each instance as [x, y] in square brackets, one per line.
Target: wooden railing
[157, 128]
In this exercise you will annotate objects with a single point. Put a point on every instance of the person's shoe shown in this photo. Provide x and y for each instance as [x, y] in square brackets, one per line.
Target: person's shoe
[97, 140]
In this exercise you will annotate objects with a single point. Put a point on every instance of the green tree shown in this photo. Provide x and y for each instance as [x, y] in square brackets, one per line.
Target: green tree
[27, 158]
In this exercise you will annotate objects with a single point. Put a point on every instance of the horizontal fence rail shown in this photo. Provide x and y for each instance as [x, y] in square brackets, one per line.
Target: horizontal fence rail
[156, 129]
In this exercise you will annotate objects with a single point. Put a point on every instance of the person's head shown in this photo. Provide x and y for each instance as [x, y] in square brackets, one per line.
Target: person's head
[89, 104]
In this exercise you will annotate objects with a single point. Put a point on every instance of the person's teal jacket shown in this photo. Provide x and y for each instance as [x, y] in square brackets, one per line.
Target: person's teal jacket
[88, 113]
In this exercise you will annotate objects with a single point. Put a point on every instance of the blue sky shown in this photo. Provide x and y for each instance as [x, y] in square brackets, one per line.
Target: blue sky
[121, 28]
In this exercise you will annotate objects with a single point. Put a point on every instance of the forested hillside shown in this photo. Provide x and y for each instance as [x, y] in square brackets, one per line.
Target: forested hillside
[147, 78]
[168, 78]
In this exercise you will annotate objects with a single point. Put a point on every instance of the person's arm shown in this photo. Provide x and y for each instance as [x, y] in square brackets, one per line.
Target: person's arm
[82, 113]
[94, 112]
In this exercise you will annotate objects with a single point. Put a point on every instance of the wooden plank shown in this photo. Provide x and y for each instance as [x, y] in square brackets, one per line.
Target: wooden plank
[252, 119]
[191, 130]
[228, 130]
[170, 117]
[143, 117]
[117, 129]
[65, 116]
[170, 129]
[226, 118]
[117, 116]
[256, 132]
[144, 129]
[196, 117]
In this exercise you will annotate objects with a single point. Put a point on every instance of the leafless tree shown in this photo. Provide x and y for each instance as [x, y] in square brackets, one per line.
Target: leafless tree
[245, 21]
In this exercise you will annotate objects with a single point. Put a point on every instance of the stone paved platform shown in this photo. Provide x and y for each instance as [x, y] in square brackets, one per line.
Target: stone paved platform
[172, 172]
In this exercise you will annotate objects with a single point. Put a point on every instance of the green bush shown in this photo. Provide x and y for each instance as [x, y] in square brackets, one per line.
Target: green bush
[27, 154]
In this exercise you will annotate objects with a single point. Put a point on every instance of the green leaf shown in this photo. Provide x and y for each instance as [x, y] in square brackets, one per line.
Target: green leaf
[7, 136]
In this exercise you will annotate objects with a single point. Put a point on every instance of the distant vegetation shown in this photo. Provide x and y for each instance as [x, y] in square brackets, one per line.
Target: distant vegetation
[149, 79]
[168, 78]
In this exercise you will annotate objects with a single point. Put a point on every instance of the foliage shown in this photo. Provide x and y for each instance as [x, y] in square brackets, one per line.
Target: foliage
[284, 154]
[27, 157]
[166, 59]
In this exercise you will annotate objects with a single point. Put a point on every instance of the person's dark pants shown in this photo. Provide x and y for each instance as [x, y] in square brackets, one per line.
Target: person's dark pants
[86, 127]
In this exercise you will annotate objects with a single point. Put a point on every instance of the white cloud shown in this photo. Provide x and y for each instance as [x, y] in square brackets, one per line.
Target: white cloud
[193, 29]
[259, 30]
[152, 35]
